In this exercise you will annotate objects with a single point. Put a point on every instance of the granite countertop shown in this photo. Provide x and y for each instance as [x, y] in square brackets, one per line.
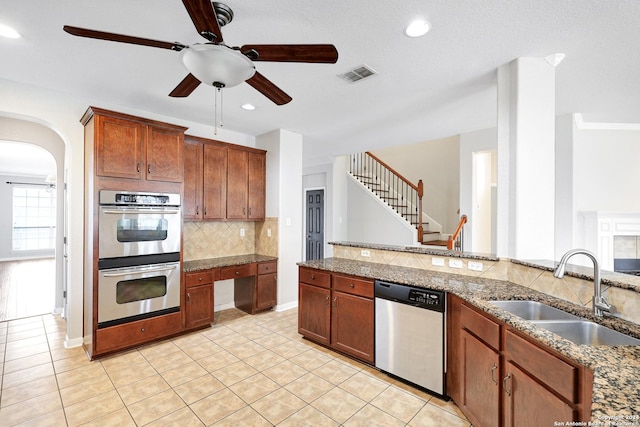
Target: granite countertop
[616, 368]
[228, 261]
[418, 250]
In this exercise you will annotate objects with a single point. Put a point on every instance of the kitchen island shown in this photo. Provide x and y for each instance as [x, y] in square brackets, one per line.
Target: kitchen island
[616, 370]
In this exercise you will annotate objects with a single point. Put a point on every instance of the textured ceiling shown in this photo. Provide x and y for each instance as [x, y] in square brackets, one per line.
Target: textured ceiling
[431, 87]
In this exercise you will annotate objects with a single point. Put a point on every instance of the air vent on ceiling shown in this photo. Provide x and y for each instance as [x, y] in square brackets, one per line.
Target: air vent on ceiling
[359, 73]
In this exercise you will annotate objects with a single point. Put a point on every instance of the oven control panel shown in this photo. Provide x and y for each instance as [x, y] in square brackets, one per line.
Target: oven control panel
[109, 197]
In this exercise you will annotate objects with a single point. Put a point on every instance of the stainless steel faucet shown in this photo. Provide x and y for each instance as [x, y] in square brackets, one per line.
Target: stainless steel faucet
[600, 304]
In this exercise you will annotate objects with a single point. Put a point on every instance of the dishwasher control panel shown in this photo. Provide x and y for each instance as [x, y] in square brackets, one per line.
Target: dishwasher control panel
[419, 297]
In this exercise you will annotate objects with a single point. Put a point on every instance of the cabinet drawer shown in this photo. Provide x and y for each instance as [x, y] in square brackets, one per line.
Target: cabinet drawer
[314, 277]
[138, 332]
[482, 327]
[352, 285]
[267, 267]
[549, 369]
[235, 271]
[199, 278]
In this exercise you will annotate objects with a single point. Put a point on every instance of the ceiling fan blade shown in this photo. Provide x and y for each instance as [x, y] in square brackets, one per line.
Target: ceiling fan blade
[102, 35]
[204, 18]
[268, 89]
[185, 87]
[318, 53]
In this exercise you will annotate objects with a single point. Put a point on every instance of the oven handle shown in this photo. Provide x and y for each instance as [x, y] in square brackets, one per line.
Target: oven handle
[140, 270]
[140, 211]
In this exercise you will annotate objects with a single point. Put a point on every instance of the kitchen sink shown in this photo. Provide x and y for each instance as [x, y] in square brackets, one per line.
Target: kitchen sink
[566, 325]
[533, 310]
[585, 332]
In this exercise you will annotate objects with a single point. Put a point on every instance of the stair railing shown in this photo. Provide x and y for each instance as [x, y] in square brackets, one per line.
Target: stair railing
[394, 189]
[456, 240]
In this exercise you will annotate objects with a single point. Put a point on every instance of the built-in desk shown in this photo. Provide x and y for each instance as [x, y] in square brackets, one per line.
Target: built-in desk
[255, 285]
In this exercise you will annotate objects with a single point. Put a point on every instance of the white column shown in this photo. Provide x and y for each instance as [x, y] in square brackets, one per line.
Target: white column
[526, 159]
[285, 201]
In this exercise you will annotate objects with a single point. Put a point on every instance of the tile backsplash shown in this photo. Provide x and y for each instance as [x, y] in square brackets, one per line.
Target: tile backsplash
[575, 290]
[216, 239]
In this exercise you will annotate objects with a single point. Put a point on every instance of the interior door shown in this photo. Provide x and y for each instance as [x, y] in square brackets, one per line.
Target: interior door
[315, 224]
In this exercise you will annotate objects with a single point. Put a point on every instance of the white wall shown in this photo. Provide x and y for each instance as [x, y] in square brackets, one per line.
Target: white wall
[285, 196]
[606, 166]
[369, 221]
[436, 163]
[470, 143]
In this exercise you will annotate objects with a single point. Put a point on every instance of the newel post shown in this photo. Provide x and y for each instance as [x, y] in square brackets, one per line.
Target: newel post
[420, 192]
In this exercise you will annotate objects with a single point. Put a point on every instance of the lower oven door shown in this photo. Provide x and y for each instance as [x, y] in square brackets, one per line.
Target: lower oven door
[133, 293]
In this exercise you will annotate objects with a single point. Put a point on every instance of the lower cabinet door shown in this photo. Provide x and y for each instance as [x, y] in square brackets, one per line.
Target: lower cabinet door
[199, 306]
[352, 325]
[266, 291]
[314, 321]
[527, 403]
[481, 381]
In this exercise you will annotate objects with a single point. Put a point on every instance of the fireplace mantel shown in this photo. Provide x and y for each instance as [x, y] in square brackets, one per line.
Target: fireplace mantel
[599, 229]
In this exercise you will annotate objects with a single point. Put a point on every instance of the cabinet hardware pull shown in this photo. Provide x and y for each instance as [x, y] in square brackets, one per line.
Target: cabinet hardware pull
[237, 273]
[138, 167]
[275, 279]
[335, 302]
[244, 211]
[200, 279]
[504, 383]
[188, 297]
[493, 378]
[141, 329]
[351, 285]
[313, 277]
[149, 168]
[327, 301]
[197, 210]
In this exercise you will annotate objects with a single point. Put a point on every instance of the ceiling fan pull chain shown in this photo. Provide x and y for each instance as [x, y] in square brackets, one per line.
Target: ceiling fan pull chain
[215, 112]
[221, 105]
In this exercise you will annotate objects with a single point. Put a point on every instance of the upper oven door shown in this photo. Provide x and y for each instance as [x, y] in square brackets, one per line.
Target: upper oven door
[132, 231]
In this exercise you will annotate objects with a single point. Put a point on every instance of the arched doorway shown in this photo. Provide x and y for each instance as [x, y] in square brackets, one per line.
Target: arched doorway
[33, 136]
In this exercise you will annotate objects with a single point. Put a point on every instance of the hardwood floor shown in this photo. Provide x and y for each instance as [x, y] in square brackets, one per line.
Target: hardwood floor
[27, 288]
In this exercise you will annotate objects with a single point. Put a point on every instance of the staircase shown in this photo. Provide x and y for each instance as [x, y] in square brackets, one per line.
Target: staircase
[404, 197]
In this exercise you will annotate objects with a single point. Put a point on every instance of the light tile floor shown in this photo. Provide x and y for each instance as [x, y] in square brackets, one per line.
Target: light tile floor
[243, 371]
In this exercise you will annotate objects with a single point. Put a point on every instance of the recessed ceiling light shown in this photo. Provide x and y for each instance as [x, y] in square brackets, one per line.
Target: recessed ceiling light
[248, 107]
[417, 28]
[8, 32]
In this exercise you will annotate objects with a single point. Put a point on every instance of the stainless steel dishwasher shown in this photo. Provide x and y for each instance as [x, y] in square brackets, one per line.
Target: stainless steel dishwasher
[410, 334]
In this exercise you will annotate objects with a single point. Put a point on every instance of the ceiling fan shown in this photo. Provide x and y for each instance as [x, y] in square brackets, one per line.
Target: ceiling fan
[216, 64]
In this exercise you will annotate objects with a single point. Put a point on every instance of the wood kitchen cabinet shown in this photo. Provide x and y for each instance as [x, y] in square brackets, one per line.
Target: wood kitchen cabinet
[314, 305]
[134, 148]
[259, 291]
[198, 298]
[246, 185]
[480, 375]
[223, 181]
[338, 311]
[499, 377]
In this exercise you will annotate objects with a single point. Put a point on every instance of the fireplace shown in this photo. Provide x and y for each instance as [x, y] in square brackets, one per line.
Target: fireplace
[626, 254]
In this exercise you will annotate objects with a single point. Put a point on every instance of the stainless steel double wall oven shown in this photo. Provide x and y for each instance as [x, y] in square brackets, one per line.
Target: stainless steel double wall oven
[138, 255]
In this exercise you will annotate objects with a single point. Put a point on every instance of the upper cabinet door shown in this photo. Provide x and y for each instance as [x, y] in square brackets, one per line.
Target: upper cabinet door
[118, 145]
[164, 154]
[237, 184]
[215, 182]
[192, 201]
[257, 177]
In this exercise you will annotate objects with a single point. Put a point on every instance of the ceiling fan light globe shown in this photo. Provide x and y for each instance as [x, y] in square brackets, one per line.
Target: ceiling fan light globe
[219, 64]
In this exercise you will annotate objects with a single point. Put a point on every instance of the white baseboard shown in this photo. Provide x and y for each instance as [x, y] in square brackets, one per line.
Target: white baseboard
[72, 343]
[285, 307]
[224, 306]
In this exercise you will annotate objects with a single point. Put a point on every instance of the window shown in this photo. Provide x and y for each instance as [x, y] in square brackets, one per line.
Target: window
[34, 218]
